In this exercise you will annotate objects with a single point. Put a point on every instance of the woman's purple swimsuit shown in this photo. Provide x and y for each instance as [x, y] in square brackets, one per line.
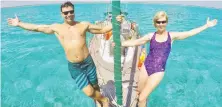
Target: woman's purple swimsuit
[158, 55]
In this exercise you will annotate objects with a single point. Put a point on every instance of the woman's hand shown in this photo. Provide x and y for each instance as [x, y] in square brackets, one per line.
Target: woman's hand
[211, 23]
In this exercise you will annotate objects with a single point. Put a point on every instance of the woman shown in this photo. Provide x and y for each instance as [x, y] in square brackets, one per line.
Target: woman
[142, 57]
[153, 68]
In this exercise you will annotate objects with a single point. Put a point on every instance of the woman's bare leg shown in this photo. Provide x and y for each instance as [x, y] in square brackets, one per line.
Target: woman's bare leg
[142, 79]
[151, 83]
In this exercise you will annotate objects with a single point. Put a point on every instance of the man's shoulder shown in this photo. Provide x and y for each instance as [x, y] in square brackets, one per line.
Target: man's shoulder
[55, 25]
[85, 23]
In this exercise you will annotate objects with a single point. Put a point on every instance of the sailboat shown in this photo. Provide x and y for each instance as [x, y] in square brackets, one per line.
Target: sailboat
[103, 52]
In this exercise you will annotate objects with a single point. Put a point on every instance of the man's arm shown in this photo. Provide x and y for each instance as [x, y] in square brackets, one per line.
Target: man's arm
[48, 29]
[96, 29]
[186, 34]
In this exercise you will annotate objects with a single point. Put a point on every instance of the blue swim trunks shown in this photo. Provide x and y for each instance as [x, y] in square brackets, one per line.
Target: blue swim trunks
[84, 72]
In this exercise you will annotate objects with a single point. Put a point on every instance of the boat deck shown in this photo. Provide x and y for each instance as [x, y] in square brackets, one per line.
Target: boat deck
[105, 73]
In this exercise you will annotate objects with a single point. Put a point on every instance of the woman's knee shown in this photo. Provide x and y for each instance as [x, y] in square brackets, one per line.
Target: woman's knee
[142, 98]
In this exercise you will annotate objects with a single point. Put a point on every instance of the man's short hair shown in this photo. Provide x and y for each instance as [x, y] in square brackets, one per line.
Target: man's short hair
[66, 4]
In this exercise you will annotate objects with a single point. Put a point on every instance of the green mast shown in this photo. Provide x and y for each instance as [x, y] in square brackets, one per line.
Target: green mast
[117, 52]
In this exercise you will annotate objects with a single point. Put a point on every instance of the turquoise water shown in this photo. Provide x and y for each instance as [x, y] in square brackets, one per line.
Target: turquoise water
[34, 68]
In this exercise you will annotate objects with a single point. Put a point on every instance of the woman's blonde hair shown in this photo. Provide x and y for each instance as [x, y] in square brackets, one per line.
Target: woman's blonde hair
[159, 15]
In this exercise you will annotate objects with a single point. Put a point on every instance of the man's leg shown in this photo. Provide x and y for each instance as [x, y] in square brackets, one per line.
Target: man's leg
[92, 78]
[89, 90]
[96, 95]
[83, 80]
[99, 97]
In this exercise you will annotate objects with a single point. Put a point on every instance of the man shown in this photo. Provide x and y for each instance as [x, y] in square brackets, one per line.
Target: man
[72, 34]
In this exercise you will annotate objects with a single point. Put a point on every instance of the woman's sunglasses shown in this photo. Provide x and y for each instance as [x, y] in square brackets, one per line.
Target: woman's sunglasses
[163, 22]
[67, 12]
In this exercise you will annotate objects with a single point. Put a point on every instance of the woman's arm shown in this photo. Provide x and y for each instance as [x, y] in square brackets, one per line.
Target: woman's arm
[186, 34]
[137, 42]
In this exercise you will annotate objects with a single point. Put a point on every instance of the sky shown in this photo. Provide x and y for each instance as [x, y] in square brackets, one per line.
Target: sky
[210, 4]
